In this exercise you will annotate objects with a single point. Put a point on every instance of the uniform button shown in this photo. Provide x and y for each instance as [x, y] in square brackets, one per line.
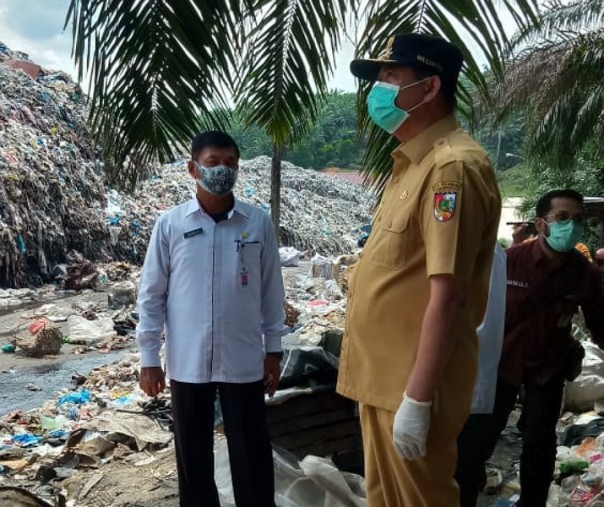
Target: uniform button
[379, 219]
[396, 180]
[441, 141]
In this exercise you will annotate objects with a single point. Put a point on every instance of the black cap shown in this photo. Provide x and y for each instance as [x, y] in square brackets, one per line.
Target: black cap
[427, 52]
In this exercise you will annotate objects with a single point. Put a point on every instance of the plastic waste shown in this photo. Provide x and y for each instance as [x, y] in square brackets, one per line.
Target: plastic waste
[573, 465]
[321, 267]
[26, 440]
[504, 502]
[78, 398]
[290, 257]
[582, 495]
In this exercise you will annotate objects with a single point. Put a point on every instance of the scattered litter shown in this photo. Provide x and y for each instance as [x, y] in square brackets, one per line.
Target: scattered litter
[19, 497]
[26, 440]
[39, 338]
[9, 348]
[290, 257]
[89, 332]
[77, 398]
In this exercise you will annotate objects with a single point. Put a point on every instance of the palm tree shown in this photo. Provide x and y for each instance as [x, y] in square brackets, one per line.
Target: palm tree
[555, 74]
[161, 70]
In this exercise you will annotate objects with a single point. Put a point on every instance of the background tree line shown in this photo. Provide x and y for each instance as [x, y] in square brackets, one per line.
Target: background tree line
[334, 140]
[157, 79]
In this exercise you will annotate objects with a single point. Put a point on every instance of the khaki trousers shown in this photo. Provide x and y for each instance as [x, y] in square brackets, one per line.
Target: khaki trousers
[392, 481]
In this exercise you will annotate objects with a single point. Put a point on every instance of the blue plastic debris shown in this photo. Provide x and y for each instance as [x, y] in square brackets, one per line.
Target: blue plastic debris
[21, 244]
[115, 219]
[9, 348]
[78, 398]
[60, 434]
[26, 440]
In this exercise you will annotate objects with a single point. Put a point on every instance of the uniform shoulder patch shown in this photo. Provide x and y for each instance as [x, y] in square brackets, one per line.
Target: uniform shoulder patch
[444, 205]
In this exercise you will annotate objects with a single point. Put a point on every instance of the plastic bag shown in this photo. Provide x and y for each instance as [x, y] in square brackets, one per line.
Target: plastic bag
[89, 332]
[290, 257]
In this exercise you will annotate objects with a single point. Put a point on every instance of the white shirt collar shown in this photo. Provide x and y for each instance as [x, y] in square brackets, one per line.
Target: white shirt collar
[193, 206]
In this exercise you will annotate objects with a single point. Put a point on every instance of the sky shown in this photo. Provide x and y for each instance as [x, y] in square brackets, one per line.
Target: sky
[36, 28]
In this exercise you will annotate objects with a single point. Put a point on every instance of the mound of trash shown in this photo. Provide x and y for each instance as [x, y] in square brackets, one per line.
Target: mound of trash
[319, 213]
[54, 196]
[52, 190]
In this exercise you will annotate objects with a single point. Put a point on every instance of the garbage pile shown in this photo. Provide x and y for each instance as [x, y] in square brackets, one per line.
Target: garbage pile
[319, 213]
[68, 446]
[51, 187]
[54, 197]
[105, 443]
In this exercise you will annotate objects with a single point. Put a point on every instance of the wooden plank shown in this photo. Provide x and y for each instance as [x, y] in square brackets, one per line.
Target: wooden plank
[304, 405]
[328, 448]
[298, 424]
[319, 434]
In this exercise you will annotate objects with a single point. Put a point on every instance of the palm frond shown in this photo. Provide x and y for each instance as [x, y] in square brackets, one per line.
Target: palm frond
[481, 24]
[559, 83]
[288, 60]
[561, 19]
[155, 71]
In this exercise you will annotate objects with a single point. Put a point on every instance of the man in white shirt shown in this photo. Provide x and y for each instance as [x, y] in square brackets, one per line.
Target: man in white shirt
[212, 279]
[490, 340]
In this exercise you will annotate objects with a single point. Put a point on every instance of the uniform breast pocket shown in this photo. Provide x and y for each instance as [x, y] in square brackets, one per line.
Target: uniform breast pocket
[390, 245]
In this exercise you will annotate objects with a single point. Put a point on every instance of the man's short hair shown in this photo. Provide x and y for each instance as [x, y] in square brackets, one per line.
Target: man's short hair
[544, 205]
[215, 139]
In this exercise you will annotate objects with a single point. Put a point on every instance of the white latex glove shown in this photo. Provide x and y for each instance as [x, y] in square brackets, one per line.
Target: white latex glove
[410, 429]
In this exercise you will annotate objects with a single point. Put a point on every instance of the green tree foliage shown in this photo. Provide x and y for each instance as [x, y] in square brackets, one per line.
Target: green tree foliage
[586, 176]
[158, 66]
[554, 73]
[332, 141]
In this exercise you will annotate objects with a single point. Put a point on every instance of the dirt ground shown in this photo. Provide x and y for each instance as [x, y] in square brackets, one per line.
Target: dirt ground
[150, 480]
[64, 305]
[145, 480]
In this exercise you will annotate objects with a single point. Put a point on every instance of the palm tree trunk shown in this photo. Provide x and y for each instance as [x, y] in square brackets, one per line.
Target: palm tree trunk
[276, 189]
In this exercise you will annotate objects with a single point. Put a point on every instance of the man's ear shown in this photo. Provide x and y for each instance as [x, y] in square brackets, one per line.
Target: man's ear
[434, 86]
[191, 167]
[541, 226]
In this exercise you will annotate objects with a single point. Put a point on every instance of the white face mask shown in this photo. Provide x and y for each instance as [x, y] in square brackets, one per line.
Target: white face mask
[218, 180]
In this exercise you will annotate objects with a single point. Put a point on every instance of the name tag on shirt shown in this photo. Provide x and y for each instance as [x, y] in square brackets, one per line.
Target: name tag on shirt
[194, 232]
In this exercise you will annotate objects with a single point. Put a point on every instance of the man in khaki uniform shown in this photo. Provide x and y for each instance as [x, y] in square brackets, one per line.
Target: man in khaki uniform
[419, 291]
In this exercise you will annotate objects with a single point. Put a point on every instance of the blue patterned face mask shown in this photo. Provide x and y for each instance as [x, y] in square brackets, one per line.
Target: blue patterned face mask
[564, 235]
[382, 108]
[218, 180]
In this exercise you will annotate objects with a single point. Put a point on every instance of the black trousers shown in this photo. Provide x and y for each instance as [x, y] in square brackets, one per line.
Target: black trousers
[540, 412]
[250, 452]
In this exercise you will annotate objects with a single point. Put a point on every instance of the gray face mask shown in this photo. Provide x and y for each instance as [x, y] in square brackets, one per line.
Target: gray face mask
[218, 180]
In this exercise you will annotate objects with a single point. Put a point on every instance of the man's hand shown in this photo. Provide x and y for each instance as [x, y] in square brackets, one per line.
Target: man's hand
[410, 429]
[153, 380]
[520, 233]
[272, 373]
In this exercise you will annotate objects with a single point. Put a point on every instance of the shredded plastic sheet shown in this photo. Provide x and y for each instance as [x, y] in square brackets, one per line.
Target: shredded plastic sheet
[314, 481]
